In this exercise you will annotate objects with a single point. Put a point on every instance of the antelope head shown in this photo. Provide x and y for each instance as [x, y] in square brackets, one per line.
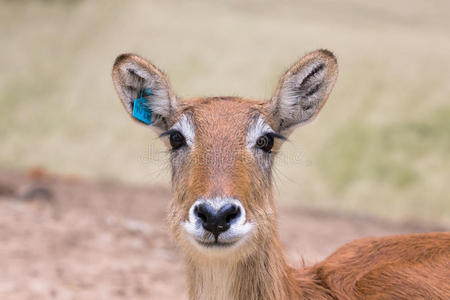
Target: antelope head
[222, 150]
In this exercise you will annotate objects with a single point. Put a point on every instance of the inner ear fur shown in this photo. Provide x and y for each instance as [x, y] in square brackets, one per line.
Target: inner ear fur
[304, 89]
[132, 73]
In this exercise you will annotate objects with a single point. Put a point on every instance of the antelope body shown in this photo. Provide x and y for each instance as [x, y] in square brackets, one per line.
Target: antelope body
[223, 214]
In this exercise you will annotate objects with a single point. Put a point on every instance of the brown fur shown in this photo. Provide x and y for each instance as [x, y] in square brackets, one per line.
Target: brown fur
[219, 165]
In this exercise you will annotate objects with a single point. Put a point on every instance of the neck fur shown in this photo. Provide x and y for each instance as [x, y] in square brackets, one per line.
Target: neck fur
[263, 274]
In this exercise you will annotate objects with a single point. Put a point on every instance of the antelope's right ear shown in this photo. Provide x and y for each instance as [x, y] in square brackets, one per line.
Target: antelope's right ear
[132, 75]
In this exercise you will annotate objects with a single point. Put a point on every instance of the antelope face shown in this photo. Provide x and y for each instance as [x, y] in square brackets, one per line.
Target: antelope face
[221, 155]
[222, 150]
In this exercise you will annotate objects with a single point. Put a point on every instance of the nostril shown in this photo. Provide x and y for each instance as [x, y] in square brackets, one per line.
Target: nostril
[231, 217]
[202, 217]
[230, 212]
[202, 212]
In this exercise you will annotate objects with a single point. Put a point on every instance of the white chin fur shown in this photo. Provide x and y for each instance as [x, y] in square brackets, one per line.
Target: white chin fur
[236, 234]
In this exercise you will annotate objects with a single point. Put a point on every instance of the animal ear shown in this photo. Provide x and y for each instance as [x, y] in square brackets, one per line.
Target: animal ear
[136, 78]
[304, 89]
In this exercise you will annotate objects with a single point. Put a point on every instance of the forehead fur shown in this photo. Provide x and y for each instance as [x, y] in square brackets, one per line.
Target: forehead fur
[224, 114]
[220, 151]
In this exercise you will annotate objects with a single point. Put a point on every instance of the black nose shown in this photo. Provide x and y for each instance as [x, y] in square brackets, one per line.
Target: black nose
[217, 221]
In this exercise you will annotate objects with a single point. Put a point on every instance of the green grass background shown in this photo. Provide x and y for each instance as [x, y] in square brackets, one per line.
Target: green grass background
[380, 146]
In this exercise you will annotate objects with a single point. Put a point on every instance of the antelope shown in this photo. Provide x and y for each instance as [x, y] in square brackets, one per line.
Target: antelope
[223, 216]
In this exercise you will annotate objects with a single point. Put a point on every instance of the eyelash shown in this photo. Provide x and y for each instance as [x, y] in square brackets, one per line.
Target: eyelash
[266, 141]
[176, 139]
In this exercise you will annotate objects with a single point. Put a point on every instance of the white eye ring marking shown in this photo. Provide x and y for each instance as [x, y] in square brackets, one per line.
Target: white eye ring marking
[187, 128]
[257, 128]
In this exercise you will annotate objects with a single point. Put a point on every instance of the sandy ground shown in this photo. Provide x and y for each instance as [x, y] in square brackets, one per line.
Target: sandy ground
[64, 238]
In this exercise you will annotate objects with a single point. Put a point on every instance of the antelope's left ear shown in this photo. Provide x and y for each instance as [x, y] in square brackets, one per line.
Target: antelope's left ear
[303, 90]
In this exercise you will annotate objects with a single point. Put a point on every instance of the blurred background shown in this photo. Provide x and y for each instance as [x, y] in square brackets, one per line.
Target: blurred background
[379, 149]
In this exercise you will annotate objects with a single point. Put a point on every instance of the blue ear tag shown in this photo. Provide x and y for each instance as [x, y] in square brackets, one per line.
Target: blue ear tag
[141, 111]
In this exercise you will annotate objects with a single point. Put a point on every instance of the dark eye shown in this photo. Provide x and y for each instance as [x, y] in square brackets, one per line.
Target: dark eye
[177, 140]
[265, 143]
